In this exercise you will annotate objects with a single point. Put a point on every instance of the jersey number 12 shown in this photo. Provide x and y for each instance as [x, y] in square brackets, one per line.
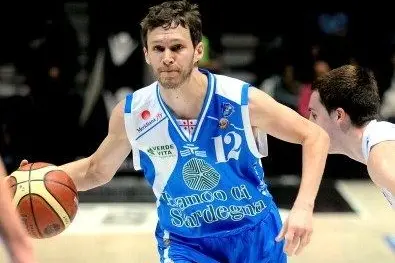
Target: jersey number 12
[230, 138]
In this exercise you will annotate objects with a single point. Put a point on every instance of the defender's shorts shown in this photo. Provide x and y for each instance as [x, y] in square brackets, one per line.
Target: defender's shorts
[254, 245]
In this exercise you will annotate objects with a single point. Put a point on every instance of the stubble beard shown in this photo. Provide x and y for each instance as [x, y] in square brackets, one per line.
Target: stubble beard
[175, 83]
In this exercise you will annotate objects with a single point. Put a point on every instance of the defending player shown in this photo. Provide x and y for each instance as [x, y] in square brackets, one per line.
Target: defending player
[345, 102]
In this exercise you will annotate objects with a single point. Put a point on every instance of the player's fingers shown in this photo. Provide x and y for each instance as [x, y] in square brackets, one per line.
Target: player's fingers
[305, 239]
[293, 245]
[281, 235]
[289, 241]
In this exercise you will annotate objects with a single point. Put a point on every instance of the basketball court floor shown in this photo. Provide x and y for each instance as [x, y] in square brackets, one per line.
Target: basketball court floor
[353, 223]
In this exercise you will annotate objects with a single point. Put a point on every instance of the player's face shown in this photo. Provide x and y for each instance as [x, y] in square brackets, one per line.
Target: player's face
[171, 54]
[320, 116]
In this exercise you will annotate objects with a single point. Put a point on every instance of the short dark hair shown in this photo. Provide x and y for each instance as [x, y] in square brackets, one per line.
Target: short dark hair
[173, 13]
[352, 88]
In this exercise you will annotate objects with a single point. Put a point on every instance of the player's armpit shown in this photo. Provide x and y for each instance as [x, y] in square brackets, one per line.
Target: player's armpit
[381, 165]
[101, 166]
[279, 120]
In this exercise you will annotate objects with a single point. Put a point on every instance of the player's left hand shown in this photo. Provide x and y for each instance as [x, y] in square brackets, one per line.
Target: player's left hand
[297, 230]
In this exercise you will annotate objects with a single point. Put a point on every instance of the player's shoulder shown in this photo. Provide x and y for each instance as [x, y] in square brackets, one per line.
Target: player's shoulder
[225, 79]
[145, 92]
[139, 98]
[376, 128]
[376, 132]
[231, 88]
[385, 125]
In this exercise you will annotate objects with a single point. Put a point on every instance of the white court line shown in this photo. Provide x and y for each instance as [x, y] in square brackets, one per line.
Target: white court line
[352, 200]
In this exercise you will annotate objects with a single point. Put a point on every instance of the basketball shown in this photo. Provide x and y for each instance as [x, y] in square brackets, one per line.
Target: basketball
[45, 198]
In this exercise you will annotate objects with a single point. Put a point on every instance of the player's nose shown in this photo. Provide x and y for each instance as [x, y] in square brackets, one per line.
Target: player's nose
[168, 58]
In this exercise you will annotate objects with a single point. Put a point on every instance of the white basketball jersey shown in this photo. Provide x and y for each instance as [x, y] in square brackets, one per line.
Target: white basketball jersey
[376, 132]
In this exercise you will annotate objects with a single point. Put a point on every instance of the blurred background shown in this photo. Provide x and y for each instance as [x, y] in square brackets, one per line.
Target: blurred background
[65, 64]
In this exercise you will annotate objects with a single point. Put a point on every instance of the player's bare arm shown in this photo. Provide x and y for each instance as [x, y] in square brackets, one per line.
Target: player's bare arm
[11, 229]
[381, 165]
[286, 124]
[3, 171]
[101, 166]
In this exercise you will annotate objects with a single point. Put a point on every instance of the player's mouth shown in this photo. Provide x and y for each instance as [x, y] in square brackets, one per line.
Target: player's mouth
[169, 72]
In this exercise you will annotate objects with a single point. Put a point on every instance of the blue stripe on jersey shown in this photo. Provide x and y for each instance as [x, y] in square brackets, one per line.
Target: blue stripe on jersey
[128, 103]
[244, 94]
[148, 167]
[202, 115]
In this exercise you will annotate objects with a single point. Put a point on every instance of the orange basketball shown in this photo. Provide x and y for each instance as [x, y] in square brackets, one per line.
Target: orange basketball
[45, 197]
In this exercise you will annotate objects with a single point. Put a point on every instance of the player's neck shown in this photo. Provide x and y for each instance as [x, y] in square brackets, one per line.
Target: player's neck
[352, 142]
[187, 100]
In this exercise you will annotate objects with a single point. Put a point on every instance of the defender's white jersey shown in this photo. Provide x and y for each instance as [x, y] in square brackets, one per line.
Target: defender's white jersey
[376, 132]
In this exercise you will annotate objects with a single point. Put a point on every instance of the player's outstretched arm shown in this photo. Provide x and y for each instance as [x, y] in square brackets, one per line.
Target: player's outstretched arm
[101, 166]
[286, 124]
[381, 165]
[12, 231]
[3, 171]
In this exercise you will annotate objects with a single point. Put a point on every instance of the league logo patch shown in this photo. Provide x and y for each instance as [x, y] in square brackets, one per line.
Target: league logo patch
[227, 109]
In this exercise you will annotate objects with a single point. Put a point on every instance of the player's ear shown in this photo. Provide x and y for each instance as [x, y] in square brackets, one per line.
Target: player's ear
[146, 56]
[342, 119]
[199, 51]
[340, 114]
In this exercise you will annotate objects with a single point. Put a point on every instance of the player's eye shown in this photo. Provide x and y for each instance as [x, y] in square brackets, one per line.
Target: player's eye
[176, 48]
[158, 48]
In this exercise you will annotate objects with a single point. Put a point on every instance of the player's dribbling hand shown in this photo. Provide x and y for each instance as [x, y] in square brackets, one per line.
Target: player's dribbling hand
[22, 251]
[297, 230]
[23, 258]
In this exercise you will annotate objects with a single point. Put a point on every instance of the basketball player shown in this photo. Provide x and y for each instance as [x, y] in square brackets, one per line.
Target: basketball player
[12, 231]
[191, 132]
[345, 102]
